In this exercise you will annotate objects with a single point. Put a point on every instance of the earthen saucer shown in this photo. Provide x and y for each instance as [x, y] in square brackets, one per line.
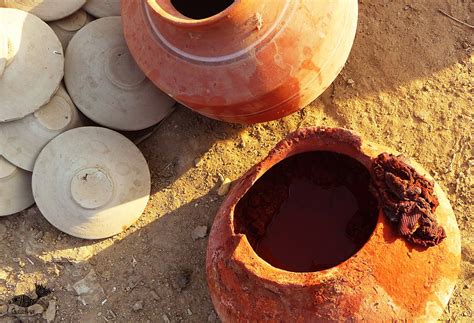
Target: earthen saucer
[31, 64]
[106, 84]
[66, 28]
[103, 8]
[15, 189]
[46, 10]
[22, 140]
[91, 182]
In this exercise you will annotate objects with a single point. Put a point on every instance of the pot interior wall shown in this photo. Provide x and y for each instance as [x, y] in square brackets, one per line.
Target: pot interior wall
[200, 9]
[310, 212]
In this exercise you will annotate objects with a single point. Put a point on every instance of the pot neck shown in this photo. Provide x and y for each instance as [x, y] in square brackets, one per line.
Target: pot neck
[242, 24]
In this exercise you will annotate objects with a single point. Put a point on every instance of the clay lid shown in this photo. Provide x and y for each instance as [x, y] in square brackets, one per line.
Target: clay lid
[66, 28]
[34, 57]
[47, 10]
[3, 49]
[103, 8]
[74, 22]
[22, 140]
[106, 84]
[91, 182]
[15, 189]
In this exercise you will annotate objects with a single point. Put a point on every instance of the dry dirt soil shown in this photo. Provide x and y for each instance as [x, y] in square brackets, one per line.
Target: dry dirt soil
[408, 84]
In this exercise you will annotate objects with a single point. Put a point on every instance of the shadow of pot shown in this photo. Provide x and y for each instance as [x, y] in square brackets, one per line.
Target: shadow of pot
[382, 277]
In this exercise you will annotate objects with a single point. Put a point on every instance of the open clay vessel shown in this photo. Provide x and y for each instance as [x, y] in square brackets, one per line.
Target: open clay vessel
[47, 10]
[105, 83]
[31, 64]
[241, 61]
[15, 189]
[22, 140]
[91, 182]
[66, 28]
[343, 262]
[103, 8]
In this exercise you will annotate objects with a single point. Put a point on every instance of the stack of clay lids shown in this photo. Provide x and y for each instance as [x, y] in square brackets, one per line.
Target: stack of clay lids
[15, 188]
[91, 182]
[106, 84]
[31, 69]
[47, 10]
[103, 8]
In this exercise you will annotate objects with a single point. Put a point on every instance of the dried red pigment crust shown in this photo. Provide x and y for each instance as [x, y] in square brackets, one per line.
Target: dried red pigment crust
[408, 200]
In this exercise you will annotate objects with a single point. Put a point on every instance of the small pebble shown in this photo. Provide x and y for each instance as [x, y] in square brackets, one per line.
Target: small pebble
[50, 313]
[198, 162]
[199, 232]
[3, 231]
[35, 309]
[3, 309]
[224, 188]
[182, 280]
[467, 252]
[138, 306]
[154, 295]
[38, 235]
[165, 318]
[212, 317]
[15, 309]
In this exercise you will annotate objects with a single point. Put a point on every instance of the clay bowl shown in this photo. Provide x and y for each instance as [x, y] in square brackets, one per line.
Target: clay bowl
[381, 277]
[241, 61]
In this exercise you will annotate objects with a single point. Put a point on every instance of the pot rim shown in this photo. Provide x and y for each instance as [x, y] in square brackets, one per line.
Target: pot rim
[189, 22]
[338, 140]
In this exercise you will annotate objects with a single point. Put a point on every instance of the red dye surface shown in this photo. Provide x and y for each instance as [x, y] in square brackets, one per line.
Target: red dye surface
[408, 200]
[310, 212]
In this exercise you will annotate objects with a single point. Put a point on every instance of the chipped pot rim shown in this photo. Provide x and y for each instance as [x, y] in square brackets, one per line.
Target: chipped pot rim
[338, 140]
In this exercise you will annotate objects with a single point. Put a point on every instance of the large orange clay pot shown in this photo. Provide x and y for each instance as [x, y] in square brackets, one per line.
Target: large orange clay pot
[253, 61]
[386, 279]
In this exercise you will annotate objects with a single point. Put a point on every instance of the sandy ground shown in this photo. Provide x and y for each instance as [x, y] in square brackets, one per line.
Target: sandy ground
[408, 84]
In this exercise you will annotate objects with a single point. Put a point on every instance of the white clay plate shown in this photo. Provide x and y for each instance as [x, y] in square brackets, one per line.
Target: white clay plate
[3, 49]
[106, 84]
[15, 189]
[34, 64]
[47, 10]
[66, 28]
[22, 140]
[91, 182]
[103, 8]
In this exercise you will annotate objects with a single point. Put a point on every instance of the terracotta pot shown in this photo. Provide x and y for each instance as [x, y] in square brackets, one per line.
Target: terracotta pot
[386, 279]
[254, 61]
